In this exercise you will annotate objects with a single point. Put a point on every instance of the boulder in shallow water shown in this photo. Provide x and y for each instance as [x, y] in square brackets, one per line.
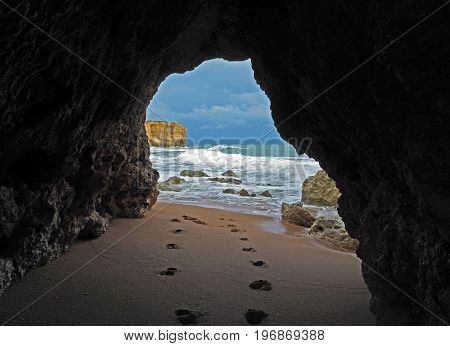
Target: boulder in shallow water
[229, 173]
[244, 193]
[226, 180]
[168, 187]
[175, 180]
[297, 215]
[266, 193]
[229, 191]
[320, 190]
[192, 173]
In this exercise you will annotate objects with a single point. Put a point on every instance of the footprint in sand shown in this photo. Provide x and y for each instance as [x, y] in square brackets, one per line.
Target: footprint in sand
[175, 220]
[244, 239]
[178, 231]
[199, 222]
[172, 246]
[258, 263]
[235, 230]
[230, 225]
[194, 219]
[168, 272]
[248, 249]
[255, 316]
[262, 285]
[185, 316]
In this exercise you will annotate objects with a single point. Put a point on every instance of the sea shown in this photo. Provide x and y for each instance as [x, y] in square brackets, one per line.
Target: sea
[274, 167]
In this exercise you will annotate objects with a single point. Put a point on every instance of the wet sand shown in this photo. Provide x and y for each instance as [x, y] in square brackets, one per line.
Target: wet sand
[121, 281]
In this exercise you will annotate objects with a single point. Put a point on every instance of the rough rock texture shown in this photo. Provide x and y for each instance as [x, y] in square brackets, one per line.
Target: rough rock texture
[94, 227]
[297, 215]
[72, 142]
[171, 184]
[320, 190]
[229, 173]
[175, 180]
[226, 180]
[230, 191]
[164, 186]
[190, 173]
[333, 231]
[165, 134]
[266, 193]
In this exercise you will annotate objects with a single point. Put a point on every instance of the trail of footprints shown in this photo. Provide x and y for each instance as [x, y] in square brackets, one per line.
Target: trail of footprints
[185, 316]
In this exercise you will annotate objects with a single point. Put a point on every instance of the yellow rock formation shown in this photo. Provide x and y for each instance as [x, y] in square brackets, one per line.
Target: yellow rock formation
[165, 134]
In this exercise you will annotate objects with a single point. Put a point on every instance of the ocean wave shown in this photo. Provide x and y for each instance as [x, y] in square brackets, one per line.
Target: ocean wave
[282, 176]
[220, 147]
[214, 158]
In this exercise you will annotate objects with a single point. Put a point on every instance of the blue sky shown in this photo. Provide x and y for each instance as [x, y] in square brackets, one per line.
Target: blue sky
[219, 99]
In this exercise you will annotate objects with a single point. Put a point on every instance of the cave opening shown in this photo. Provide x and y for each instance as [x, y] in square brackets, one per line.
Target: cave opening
[215, 121]
[379, 133]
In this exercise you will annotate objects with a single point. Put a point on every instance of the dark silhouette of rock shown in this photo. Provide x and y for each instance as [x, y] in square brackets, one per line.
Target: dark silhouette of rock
[191, 173]
[244, 193]
[229, 191]
[266, 193]
[226, 180]
[168, 187]
[175, 180]
[229, 173]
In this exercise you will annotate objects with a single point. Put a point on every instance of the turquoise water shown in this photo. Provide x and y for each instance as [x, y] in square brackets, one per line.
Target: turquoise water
[275, 167]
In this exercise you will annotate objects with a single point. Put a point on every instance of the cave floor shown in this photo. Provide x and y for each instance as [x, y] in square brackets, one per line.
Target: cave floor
[120, 282]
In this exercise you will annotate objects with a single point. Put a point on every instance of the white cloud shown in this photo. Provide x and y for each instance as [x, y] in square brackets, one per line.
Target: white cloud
[213, 127]
[228, 116]
[249, 98]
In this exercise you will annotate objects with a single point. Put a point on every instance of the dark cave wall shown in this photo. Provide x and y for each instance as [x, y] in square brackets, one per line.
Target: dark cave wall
[381, 134]
[73, 147]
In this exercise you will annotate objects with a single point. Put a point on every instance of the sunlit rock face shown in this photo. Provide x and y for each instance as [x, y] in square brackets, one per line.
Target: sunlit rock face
[73, 143]
[320, 189]
[165, 134]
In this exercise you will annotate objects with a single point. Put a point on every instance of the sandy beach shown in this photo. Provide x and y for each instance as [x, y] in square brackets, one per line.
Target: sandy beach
[120, 280]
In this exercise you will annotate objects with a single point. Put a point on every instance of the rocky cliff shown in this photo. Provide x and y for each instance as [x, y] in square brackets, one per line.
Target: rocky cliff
[73, 143]
[165, 134]
[321, 190]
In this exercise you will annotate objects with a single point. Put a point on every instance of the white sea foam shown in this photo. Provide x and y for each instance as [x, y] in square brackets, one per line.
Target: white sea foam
[216, 158]
[280, 171]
